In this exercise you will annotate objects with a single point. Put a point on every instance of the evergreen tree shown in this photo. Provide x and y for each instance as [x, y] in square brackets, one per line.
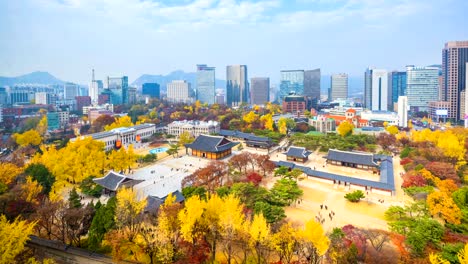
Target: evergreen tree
[74, 200]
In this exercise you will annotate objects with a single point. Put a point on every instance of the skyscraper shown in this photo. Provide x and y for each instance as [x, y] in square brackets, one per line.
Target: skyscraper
[70, 91]
[118, 86]
[206, 84]
[237, 87]
[151, 89]
[292, 81]
[422, 87]
[376, 95]
[312, 84]
[339, 86]
[454, 59]
[260, 89]
[95, 89]
[398, 85]
[402, 111]
[179, 91]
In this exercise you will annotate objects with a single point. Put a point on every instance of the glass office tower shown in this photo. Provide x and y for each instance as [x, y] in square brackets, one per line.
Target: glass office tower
[206, 84]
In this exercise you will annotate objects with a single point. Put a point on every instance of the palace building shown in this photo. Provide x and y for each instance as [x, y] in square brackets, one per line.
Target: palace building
[211, 147]
[297, 154]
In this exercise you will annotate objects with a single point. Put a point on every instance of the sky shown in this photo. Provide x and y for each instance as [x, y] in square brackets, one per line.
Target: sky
[68, 38]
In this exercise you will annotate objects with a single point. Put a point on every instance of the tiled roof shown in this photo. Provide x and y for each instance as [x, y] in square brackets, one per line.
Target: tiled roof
[385, 183]
[245, 136]
[153, 202]
[299, 152]
[352, 157]
[211, 143]
[111, 181]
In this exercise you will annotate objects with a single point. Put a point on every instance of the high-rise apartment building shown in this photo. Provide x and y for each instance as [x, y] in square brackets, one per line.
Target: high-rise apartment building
[70, 91]
[206, 80]
[260, 90]
[312, 84]
[454, 61]
[291, 81]
[151, 89]
[179, 91]
[237, 86]
[339, 86]
[118, 86]
[422, 87]
[376, 94]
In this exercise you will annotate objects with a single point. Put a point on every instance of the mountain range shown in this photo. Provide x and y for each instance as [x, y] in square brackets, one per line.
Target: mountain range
[356, 83]
[37, 77]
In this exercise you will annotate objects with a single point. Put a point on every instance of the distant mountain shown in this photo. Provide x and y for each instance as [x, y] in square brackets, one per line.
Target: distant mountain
[355, 85]
[163, 80]
[37, 77]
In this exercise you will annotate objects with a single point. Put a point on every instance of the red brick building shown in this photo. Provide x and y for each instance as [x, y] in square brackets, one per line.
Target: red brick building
[295, 104]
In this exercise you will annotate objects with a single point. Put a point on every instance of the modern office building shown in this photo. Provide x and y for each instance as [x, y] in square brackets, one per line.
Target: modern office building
[403, 111]
[95, 89]
[295, 104]
[118, 87]
[422, 87]
[3, 96]
[291, 81]
[53, 122]
[376, 94]
[132, 95]
[397, 85]
[45, 98]
[206, 80]
[151, 89]
[193, 127]
[220, 99]
[82, 101]
[339, 86]
[70, 91]
[454, 61]
[312, 84]
[179, 91]
[260, 90]
[237, 86]
[21, 97]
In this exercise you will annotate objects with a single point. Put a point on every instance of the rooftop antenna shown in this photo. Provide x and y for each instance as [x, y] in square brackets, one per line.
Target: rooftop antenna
[93, 75]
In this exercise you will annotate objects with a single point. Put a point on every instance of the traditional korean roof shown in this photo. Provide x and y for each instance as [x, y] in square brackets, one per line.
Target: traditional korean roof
[245, 136]
[154, 202]
[113, 180]
[298, 152]
[352, 157]
[211, 143]
[386, 182]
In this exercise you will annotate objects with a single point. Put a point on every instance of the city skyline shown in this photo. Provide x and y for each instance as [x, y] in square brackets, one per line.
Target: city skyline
[68, 38]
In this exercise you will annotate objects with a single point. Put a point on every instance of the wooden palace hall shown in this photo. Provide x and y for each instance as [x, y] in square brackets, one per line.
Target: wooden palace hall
[211, 147]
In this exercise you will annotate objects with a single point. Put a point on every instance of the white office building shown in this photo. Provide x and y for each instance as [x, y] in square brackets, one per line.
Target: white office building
[402, 111]
[193, 127]
[70, 91]
[179, 92]
[422, 87]
[41, 98]
[339, 86]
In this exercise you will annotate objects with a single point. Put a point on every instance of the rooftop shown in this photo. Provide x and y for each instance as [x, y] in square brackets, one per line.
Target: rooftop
[211, 143]
[298, 152]
[362, 158]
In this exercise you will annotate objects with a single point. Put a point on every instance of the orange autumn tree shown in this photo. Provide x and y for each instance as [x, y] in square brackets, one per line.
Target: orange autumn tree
[442, 205]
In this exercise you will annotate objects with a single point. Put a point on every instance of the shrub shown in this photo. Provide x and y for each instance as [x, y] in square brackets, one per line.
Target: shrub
[405, 152]
[411, 191]
[355, 196]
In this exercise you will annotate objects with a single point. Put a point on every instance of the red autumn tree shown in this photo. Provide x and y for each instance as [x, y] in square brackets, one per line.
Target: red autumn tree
[443, 170]
[412, 179]
[254, 178]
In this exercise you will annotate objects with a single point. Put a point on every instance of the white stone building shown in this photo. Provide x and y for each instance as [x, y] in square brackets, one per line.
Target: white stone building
[179, 92]
[194, 127]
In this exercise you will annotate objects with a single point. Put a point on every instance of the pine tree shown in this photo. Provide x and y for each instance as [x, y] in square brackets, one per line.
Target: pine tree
[74, 200]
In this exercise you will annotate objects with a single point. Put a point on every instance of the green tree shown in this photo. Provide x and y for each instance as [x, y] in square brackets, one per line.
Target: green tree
[89, 187]
[74, 200]
[173, 149]
[103, 222]
[355, 196]
[272, 213]
[285, 191]
[422, 232]
[42, 175]
[185, 138]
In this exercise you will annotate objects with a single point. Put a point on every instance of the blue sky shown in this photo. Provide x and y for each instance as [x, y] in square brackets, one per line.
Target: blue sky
[70, 37]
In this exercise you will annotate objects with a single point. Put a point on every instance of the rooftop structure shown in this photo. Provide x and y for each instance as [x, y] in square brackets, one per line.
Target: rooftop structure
[297, 154]
[113, 181]
[193, 127]
[211, 147]
[250, 139]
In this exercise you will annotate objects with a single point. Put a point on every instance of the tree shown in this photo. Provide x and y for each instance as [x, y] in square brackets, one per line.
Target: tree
[128, 212]
[386, 141]
[254, 178]
[345, 129]
[231, 222]
[103, 221]
[441, 204]
[314, 243]
[185, 138]
[89, 187]
[211, 177]
[41, 174]
[30, 190]
[260, 237]
[101, 122]
[285, 124]
[355, 196]
[285, 191]
[42, 126]
[393, 130]
[268, 121]
[190, 217]
[422, 232]
[250, 117]
[13, 237]
[173, 149]
[264, 163]
[124, 121]
[74, 200]
[30, 137]
[285, 242]
[8, 172]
